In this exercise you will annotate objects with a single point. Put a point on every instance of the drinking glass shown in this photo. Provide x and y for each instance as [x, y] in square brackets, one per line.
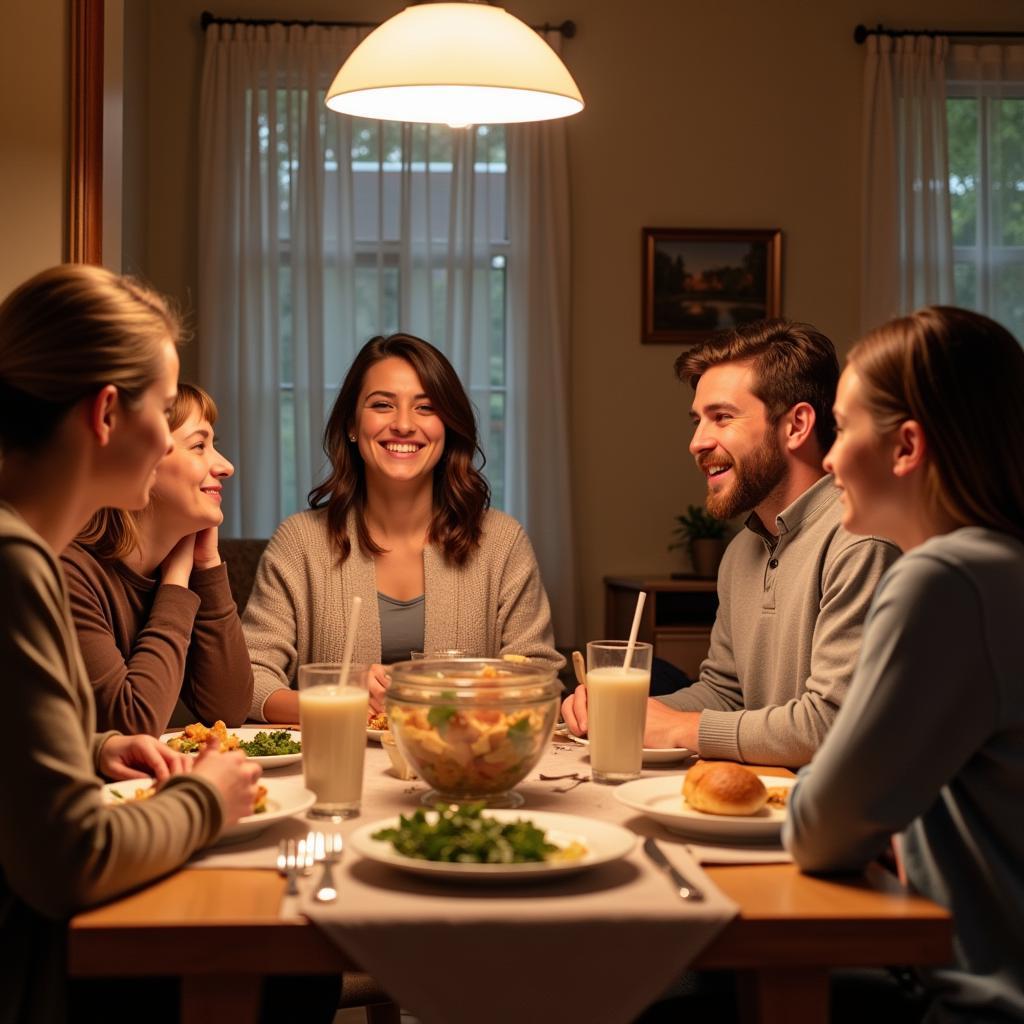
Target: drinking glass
[617, 708]
[333, 721]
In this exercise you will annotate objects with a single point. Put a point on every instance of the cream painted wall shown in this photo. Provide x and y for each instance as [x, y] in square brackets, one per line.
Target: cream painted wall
[744, 114]
[33, 133]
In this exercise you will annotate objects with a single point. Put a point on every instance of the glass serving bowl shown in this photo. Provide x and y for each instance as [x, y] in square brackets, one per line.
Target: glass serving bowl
[472, 728]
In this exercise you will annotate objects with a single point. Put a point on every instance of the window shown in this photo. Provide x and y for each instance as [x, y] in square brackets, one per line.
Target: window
[393, 223]
[986, 183]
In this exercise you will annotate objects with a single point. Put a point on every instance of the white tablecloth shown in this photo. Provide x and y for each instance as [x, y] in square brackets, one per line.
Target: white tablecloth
[595, 947]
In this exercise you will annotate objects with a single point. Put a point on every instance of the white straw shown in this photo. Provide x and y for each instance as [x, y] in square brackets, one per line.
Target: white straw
[640, 598]
[353, 626]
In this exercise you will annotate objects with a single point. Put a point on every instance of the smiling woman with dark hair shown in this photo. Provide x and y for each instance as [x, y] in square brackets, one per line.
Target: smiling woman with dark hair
[402, 520]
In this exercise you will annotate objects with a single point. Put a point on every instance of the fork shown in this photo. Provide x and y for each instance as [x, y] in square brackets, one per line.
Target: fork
[328, 847]
[291, 859]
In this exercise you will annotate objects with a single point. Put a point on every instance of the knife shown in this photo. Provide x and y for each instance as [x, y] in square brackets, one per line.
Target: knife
[687, 890]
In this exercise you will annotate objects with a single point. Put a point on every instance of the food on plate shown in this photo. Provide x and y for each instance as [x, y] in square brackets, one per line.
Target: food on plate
[271, 744]
[264, 744]
[194, 736]
[461, 834]
[470, 750]
[723, 787]
[377, 720]
[778, 795]
[259, 804]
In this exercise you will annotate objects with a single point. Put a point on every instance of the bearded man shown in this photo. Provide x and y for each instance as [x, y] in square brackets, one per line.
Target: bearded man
[794, 587]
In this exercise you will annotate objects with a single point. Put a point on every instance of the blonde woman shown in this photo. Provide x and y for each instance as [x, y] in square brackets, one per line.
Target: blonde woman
[88, 373]
[929, 743]
[149, 593]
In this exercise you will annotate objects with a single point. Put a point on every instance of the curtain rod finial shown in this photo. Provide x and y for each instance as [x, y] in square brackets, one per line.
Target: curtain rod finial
[860, 33]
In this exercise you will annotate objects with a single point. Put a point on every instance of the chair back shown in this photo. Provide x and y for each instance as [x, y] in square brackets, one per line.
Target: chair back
[241, 555]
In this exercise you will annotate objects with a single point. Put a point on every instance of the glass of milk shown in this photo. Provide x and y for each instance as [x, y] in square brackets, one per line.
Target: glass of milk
[333, 722]
[617, 708]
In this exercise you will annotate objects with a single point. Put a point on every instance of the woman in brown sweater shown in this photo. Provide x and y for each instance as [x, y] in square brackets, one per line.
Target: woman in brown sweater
[88, 371]
[150, 597]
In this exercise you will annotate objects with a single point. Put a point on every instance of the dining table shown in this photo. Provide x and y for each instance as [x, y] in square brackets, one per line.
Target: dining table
[222, 929]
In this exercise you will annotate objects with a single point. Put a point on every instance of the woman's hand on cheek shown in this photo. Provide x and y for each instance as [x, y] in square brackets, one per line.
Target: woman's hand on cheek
[177, 566]
[206, 552]
[379, 681]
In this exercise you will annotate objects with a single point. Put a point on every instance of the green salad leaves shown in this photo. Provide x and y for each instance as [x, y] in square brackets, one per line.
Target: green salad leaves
[271, 744]
[462, 835]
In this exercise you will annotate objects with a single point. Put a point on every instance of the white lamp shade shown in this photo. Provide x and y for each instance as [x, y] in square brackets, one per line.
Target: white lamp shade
[454, 63]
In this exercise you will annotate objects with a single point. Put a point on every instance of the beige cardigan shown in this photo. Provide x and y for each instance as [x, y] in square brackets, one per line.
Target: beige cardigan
[494, 604]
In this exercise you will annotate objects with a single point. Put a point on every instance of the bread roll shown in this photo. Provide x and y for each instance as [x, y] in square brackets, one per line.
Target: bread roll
[723, 787]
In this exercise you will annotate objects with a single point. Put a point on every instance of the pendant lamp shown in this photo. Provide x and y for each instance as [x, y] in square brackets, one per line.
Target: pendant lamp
[457, 64]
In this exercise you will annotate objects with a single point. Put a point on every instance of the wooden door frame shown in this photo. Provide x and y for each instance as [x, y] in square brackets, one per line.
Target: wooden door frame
[84, 235]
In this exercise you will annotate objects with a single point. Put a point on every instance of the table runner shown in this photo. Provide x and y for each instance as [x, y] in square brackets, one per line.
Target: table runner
[454, 953]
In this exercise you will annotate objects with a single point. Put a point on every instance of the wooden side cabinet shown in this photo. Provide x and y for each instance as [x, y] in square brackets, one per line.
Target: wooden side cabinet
[677, 619]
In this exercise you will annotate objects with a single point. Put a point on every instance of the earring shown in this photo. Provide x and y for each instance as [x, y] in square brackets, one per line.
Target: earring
[352, 438]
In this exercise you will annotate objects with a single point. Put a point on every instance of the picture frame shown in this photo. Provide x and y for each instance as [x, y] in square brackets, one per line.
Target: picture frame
[700, 280]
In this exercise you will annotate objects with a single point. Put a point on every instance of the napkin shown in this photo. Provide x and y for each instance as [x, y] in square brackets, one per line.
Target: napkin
[707, 854]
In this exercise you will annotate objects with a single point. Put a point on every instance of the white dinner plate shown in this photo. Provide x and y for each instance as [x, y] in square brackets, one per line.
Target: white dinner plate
[661, 798]
[652, 755]
[285, 797]
[247, 733]
[375, 734]
[604, 842]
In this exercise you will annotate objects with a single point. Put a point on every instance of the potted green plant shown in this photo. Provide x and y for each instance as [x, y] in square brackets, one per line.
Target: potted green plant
[704, 537]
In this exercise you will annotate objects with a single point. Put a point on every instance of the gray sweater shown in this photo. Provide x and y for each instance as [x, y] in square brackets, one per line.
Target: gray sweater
[62, 847]
[931, 741]
[494, 604]
[785, 641]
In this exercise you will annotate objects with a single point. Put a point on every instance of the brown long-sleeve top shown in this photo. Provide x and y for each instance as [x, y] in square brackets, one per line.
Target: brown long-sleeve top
[144, 644]
[62, 847]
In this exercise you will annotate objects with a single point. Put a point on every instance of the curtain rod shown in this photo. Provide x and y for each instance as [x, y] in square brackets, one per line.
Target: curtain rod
[206, 19]
[861, 32]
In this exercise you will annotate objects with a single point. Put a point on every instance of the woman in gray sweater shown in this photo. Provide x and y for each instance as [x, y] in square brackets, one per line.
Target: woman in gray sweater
[929, 745]
[88, 371]
[401, 521]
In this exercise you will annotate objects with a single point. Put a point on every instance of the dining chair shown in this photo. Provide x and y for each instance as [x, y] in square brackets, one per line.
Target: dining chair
[358, 989]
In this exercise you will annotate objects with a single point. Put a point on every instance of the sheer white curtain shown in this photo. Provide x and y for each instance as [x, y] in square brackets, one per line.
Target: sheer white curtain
[317, 231]
[538, 322]
[907, 246]
[986, 92]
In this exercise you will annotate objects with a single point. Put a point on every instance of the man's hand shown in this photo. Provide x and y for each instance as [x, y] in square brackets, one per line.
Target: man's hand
[574, 711]
[141, 757]
[667, 728]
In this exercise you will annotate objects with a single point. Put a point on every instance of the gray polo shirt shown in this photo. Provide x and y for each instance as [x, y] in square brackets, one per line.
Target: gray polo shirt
[791, 611]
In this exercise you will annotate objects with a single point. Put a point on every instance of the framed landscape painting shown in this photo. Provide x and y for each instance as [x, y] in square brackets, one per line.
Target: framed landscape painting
[700, 280]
